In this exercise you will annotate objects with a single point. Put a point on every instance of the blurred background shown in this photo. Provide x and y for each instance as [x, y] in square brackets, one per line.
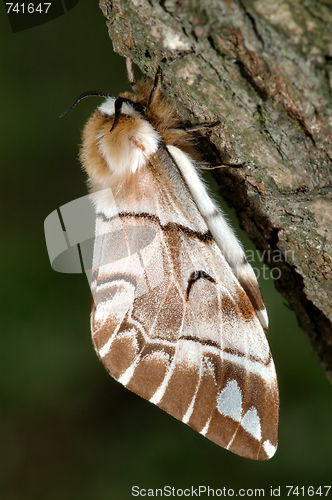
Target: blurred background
[67, 429]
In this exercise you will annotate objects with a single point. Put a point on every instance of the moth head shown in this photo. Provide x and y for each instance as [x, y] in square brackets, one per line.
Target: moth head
[117, 141]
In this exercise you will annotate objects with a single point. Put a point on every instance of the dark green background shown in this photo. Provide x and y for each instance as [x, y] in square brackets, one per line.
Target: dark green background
[67, 430]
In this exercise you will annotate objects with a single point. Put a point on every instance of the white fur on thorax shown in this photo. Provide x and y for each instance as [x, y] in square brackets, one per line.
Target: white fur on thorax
[104, 203]
[137, 144]
[108, 107]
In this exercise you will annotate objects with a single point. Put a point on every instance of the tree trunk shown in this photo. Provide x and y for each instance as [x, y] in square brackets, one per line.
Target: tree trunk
[264, 69]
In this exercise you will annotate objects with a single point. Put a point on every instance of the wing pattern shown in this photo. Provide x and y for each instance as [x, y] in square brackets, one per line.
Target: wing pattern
[172, 323]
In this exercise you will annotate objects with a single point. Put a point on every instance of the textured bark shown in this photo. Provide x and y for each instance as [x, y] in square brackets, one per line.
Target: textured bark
[264, 69]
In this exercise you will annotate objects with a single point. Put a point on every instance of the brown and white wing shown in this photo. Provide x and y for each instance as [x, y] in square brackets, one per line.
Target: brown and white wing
[172, 322]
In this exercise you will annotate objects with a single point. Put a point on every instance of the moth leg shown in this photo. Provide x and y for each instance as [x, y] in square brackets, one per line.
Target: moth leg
[199, 126]
[201, 166]
[156, 86]
[196, 126]
[130, 72]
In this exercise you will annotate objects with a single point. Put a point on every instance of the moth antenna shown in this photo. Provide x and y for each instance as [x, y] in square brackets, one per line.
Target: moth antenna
[117, 111]
[130, 72]
[89, 93]
[156, 85]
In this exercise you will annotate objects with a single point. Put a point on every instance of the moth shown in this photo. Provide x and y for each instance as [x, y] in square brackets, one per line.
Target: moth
[177, 314]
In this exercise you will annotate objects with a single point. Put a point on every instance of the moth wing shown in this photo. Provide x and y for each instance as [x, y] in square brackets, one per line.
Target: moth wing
[172, 323]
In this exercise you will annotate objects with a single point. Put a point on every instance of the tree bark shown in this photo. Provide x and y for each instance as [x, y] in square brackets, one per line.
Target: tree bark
[264, 69]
